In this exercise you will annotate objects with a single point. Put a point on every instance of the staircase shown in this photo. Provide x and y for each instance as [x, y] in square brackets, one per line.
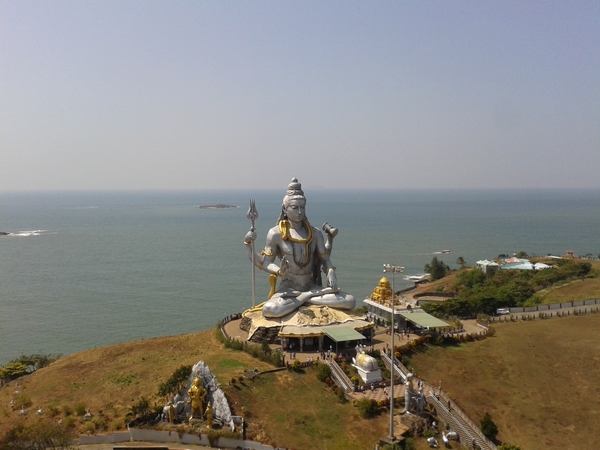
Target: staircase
[265, 334]
[339, 376]
[447, 411]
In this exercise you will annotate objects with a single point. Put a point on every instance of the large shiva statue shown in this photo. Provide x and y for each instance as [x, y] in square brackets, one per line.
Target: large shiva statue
[303, 252]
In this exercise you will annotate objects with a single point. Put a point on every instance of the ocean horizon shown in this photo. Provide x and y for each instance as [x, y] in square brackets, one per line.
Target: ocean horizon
[80, 270]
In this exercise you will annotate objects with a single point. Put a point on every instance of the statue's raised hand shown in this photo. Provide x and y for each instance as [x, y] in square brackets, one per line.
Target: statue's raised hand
[250, 236]
[332, 279]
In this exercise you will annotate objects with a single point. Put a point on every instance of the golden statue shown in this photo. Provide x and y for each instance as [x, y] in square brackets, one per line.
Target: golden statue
[171, 413]
[197, 394]
[209, 415]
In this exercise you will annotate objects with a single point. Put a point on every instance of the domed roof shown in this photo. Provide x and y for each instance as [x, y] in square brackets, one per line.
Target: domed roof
[384, 282]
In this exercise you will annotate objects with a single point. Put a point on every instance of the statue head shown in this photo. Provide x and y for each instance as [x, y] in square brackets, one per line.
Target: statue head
[198, 382]
[294, 192]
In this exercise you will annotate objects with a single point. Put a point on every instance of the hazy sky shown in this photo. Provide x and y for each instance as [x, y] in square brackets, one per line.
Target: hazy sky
[341, 94]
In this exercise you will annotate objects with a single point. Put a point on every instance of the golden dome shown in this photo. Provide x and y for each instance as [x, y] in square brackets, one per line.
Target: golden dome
[384, 282]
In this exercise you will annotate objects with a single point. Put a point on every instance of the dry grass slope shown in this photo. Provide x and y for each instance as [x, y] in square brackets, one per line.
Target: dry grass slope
[283, 408]
[538, 380]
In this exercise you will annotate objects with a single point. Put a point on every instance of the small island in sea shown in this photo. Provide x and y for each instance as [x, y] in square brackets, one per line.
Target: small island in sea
[217, 206]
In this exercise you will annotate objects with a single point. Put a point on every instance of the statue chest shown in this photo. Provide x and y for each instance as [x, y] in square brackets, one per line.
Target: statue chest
[299, 253]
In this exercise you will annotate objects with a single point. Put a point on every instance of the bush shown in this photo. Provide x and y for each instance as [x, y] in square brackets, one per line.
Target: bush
[296, 366]
[141, 407]
[507, 446]
[67, 410]
[176, 382]
[80, 409]
[488, 427]
[323, 372]
[23, 400]
[39, 435]
[367, 408]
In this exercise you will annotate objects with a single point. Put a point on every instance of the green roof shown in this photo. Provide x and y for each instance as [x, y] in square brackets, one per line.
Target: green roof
[424, 320]
[343, 334]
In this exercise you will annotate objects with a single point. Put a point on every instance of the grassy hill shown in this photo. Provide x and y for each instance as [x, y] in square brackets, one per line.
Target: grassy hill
[537, 379]
[283, 408]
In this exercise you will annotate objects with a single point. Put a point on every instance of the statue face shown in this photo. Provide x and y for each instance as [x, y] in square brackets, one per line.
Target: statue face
[295, 210]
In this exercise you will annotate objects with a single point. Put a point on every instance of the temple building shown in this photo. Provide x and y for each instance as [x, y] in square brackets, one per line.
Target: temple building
[379, 311]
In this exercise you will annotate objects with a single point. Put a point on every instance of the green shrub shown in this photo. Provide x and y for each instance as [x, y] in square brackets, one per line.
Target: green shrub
[367, 408]
[488, 427]
[80, 409]
[39, 435]
[23, 400]
[323, 372]
[176, 382]
[296, 366]
[53, 410]
[69, 422]
[67, 410]
[141, 407]
[507, 446]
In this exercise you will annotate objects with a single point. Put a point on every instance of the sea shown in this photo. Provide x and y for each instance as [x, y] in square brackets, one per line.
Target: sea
[80, 270]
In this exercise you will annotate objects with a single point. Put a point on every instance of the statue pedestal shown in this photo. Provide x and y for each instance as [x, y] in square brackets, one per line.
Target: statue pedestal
[369, 376]
[307, 322]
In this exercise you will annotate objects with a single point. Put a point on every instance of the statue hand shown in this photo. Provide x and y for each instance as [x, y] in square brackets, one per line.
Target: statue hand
[332, 279]
[284, 268]
[250, 236]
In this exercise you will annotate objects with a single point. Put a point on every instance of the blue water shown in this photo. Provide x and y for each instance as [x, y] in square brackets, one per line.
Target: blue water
[83, 270]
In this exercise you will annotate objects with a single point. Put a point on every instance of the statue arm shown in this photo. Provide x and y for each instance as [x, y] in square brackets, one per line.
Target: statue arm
[326, 263]
[265, 260]
[258, 258]
[270, 252]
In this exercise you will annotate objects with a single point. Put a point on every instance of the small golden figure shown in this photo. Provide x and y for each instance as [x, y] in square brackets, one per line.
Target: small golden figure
[209, 415]
[197, 394]
[171, 413]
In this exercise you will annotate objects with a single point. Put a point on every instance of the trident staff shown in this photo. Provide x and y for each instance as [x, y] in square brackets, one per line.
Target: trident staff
[252, 216]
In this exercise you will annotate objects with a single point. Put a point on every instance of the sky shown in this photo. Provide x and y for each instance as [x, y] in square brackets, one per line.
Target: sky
[108, 95]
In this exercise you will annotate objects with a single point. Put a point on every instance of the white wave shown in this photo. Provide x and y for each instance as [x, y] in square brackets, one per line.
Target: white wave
[28, 233]
[417, 277]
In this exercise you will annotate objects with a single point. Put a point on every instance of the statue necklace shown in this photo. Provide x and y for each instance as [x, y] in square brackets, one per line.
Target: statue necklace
[285, 234]
[306, 260]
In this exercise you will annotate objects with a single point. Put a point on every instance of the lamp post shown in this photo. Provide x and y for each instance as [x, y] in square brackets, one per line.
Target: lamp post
[393, 270]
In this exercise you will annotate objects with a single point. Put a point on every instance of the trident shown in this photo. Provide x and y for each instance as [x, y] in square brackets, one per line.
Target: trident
[252, 216]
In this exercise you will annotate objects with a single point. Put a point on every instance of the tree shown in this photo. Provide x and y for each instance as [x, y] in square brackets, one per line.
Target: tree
[470, 278]
[437, 269]
[176, 382]
[13, 370]
[461, 262]
[488, 427]
[40, 435]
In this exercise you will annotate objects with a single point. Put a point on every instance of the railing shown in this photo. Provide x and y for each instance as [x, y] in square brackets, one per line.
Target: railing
[456, 410]
[475, 430]
[225, 321]
[399, 368]
[339, 376]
